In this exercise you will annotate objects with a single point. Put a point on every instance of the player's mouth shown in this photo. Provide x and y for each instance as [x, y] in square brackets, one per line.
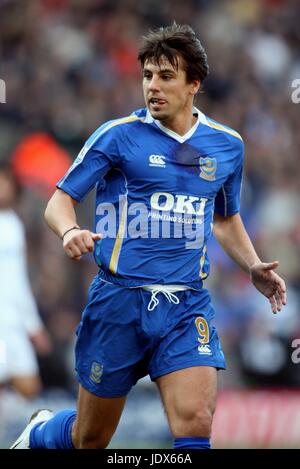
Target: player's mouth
[157, 102]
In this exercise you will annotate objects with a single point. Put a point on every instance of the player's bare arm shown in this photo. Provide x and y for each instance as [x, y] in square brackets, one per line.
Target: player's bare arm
[60, 215]
[232, 236]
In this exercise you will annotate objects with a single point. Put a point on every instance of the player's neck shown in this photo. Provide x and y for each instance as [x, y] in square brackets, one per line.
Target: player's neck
[181, 123]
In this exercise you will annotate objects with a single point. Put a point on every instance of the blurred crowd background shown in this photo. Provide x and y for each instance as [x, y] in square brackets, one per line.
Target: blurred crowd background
[69, 65]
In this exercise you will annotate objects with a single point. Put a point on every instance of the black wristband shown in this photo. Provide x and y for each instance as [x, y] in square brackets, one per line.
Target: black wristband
[70, 229]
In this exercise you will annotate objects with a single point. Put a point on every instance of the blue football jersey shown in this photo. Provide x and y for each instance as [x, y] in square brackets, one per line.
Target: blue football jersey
[156, 193]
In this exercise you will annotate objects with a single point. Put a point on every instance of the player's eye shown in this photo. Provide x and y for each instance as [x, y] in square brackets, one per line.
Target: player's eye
[147, 76]
[166, 77]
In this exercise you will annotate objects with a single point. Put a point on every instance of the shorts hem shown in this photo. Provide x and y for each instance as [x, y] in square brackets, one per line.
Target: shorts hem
[104, 394]
[218, 365]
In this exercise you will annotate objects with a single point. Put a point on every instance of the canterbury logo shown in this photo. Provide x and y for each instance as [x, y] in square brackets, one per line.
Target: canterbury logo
[204, 349]
[157, 160]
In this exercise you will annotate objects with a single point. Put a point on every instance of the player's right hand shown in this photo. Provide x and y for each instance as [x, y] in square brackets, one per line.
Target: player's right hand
[79, 242]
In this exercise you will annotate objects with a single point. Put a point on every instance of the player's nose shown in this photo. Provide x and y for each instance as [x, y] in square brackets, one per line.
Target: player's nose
[154, 84]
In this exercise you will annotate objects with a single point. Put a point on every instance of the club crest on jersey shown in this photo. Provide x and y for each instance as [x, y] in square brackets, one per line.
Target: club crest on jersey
[96, 372]
[208, 167]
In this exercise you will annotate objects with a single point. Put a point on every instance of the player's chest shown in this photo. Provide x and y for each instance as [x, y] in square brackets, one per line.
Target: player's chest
[172, 166]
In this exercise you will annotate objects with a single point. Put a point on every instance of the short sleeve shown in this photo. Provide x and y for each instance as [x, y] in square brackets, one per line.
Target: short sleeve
[98, 155]
[227, 201]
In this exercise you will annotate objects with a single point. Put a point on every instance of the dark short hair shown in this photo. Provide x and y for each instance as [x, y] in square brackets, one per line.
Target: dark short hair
[171, 42]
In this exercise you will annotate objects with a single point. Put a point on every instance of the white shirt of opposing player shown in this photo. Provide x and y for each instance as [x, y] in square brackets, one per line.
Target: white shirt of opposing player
[17, 306]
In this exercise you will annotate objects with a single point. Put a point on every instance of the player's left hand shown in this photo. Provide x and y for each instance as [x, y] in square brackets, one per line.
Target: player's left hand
[269, 283]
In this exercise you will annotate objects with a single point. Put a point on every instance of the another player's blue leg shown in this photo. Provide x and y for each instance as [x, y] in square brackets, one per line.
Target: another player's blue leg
[55, 433]
[192, 443]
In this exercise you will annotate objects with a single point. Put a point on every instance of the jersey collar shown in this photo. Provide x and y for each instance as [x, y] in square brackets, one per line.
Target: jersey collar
[180, 138]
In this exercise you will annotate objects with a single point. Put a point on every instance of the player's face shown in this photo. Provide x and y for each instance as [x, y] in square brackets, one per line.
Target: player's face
[166, 91]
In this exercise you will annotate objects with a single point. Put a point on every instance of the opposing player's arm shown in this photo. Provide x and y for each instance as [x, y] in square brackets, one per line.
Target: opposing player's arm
[61, 217]
[233, 237]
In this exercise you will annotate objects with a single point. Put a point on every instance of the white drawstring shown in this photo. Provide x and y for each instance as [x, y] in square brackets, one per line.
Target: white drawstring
[154, 301]
[166, 290]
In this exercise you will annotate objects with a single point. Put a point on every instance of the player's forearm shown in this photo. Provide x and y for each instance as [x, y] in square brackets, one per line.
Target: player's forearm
[232, 236]
[60, 214]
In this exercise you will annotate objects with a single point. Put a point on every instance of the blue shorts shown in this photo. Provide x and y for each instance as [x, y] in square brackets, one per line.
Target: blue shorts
[119, 340]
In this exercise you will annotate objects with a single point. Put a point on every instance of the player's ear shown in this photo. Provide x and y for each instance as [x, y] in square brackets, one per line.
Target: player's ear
[195, 85]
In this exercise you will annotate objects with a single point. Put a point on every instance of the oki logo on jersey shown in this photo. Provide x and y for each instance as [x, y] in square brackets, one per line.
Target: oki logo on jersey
[187, 204]
[208, 167]
[157, 161]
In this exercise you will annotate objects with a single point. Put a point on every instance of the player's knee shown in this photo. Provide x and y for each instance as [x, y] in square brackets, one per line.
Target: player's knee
[90, 440]
[193, 422]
